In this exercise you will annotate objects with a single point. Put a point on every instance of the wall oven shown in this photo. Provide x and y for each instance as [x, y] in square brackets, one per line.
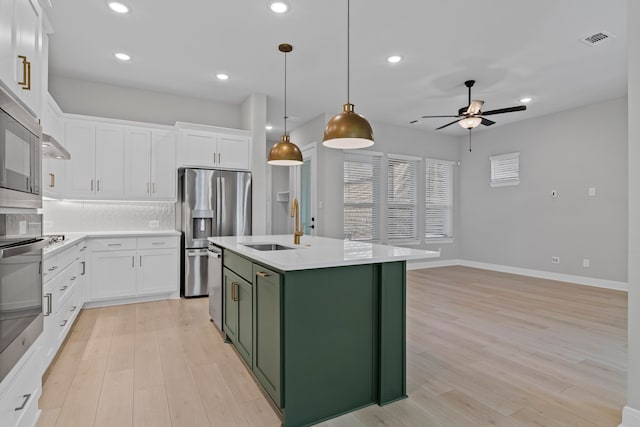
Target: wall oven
[20, 152]
[21, 320]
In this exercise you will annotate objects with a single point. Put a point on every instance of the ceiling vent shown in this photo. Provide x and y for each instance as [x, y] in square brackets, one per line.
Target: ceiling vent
[598, 39]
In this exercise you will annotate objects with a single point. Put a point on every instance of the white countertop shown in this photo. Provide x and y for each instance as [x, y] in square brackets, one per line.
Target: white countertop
[72, 238]
[319, 252]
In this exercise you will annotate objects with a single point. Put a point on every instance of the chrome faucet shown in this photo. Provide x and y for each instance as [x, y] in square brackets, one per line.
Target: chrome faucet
[295, 212]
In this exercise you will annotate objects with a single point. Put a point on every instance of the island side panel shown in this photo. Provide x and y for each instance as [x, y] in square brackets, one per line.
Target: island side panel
[330, 352]
[393, 336]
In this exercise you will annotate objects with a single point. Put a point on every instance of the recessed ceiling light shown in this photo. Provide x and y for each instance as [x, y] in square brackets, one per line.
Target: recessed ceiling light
[268, 127]
[394, 59]
[122, 56]
[222, 76]
[278, 6]
[525, 100]
[118, 7]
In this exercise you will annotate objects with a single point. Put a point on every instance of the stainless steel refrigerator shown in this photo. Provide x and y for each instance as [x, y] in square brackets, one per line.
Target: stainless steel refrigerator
[212, 203]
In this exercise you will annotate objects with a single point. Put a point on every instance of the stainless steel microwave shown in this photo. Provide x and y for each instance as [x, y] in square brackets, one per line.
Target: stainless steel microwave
[20, 151]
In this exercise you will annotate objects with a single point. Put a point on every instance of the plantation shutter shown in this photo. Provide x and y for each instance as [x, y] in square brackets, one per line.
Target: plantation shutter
[402, 208]
[438, 199]
[362, 196]
[505, 169]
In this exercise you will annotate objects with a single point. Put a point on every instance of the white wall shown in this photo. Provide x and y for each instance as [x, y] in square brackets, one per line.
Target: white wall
[631, 415]
[523, 226]
[116, 102]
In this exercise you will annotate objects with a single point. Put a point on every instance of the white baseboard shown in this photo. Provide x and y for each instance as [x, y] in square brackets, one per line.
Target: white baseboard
[417, 265]
[630, 417]
[561, 277]
[131, 300]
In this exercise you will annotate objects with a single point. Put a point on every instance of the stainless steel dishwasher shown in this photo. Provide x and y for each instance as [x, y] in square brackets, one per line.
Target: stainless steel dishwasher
[214, 284]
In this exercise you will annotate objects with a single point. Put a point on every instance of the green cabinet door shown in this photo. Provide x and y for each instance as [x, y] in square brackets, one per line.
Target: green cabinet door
[230, 310]
[244, 341]
[266, 354]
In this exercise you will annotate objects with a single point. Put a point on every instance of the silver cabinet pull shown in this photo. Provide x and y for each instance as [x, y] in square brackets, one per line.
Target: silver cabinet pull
[114, 244]
[55, 267]
[219, 158]
[84, 267]
[63, 288]
[159, 243]
[48, 297]
[26, 398]
[73, 308]
[92, 185]
[63, 323]
[140, 260]
[98, 188]
[133, 261]
[73, 278]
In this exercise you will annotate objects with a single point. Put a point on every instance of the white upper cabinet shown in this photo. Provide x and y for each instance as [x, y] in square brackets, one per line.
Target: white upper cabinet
[164, 177]
[21, 50]
[80, 171]
[109, 161]
[150, 168]
[218, 150]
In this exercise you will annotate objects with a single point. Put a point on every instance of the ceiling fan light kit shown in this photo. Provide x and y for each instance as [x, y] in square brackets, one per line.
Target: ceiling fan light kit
[470, 122]
[285, 152]
[348, 130]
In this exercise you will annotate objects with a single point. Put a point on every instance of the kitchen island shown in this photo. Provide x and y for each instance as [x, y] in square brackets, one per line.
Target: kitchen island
[322, 324]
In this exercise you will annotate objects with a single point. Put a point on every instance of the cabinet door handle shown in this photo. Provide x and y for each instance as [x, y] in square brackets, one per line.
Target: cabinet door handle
[98, 188]
[73, 278]
[26, 398]
[214, 158]
[133, 261]
[55, 267]
[26, 73]
[262, 274]
[63, 323]
[114, 244]
[219, 158]
[92, 185]
[234, 291]
[158, 243]
[140, 260]
[73, 308]
[84, 267]
[48, 297]
[63, 288]
[52, 180]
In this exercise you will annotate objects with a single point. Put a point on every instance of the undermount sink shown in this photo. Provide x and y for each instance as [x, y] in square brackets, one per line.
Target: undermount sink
[267, 246]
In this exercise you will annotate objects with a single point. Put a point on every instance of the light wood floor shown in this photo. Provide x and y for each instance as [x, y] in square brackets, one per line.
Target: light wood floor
[484, 349]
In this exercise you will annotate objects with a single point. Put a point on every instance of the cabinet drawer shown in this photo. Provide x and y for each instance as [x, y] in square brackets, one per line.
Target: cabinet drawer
[21, 396]
[67, 256]
[241, 266]
[114, 244]
[50, 267]
[67, 315]
[63, 285]
[160, 242]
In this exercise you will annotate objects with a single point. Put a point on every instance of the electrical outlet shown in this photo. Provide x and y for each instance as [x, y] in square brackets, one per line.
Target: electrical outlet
[154, 224]
[555, 259]
[586, 263]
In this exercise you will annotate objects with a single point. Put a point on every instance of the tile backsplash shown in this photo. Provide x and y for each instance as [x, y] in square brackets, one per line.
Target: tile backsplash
[61, 216]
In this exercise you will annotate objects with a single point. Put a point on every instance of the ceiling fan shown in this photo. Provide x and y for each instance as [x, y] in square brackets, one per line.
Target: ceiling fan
[472, 115]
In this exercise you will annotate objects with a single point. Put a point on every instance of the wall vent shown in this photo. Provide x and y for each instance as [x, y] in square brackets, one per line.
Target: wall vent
[598, 39]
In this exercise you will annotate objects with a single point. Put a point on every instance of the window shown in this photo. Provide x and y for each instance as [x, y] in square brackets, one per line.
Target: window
[505, 169]
[402, 208]
[361, 196]
[438, 199]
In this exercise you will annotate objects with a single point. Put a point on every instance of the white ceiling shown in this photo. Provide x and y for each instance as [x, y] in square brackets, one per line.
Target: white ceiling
[513, 48]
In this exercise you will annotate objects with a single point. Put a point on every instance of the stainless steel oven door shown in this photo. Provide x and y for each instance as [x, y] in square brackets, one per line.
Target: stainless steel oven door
[20, 300]
[20, 150]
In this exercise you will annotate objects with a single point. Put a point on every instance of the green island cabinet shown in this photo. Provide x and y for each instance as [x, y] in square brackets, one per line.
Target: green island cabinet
[322, 342]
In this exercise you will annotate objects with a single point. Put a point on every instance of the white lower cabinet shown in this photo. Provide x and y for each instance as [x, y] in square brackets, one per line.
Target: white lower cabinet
[130, 267]
[62, 298]
[20, 392]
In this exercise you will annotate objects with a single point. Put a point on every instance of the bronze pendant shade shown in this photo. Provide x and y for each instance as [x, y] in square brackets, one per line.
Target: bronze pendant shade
[285, 152]
[348, 130]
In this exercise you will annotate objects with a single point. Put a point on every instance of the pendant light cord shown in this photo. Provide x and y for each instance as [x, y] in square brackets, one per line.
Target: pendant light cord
[285, 93]
[348, 49]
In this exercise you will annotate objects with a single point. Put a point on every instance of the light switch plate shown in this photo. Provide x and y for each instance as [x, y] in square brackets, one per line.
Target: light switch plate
[592, 191]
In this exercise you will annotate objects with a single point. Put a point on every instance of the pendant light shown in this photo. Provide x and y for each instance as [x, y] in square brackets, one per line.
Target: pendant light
[285, 152]
[348, 130]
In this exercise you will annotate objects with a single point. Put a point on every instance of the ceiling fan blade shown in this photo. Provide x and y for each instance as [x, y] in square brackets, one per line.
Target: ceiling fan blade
[448, 124]
[475, 107]
[505, 110]
[487, 122]
[436, 117]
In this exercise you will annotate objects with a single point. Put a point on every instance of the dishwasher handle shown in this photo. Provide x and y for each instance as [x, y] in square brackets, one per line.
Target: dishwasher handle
[214, 252]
